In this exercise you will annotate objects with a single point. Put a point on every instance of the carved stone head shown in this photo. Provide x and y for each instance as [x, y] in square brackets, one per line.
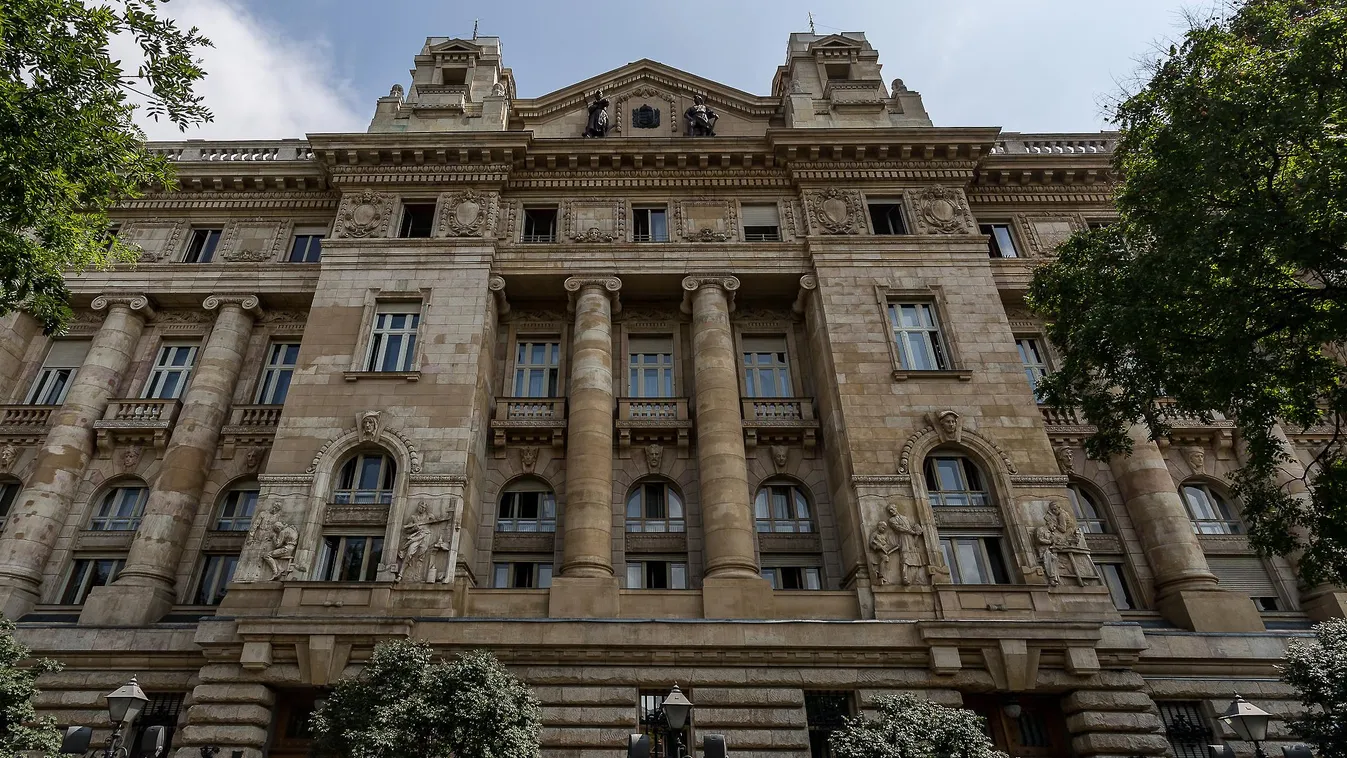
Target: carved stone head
[7, 455]
[528, 458]
[1066, 457]
[949, 424]
[779, 456]
[253, 459]
[131, 456]
[1197, 459]
[368, 425]
[654, 454]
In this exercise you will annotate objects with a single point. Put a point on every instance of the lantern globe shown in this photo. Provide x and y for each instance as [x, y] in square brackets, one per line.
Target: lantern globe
[1248, 720]
[127, 702]
[676, 708]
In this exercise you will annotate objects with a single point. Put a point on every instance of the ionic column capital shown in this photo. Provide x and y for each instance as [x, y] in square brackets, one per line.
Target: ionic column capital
[496, 285]
[247, 303]
[692, 283]
[137, 304]
[610, 285]
[808, 283]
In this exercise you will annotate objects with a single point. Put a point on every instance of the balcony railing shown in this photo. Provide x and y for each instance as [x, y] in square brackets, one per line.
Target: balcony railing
[201, 150]
[27, 422]
[1054, 417]
[136, 420]
[526, 420]
[780, 420]
[1014, 143]
[249, 425]
[644, 421]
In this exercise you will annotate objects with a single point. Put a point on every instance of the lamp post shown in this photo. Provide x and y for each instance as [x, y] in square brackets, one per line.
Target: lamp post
[125, 705]
[676, 709]
[1249, 722]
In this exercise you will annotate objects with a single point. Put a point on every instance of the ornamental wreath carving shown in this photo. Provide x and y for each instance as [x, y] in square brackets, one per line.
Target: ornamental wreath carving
[365, 215]
[467, 213]
[942, 210]
[834, 211]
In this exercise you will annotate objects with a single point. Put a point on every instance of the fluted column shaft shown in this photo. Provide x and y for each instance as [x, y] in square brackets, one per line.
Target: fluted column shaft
[16, 331]
[41, 509]
[587, 545]
[727, 515]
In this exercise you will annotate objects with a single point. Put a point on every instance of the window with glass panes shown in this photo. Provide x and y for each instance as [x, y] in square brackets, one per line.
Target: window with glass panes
[275, 384]
[1001, 243]
[974, 559]
[1209, 511]
[9, 492]
[657, 575]
[216, 573]
[87, 573]
[201, 247]
[1034, 360]
[762, 222]
[916, 331]
[306, 248]
[237, 510]
[650, 224]
[349, 557]
[527, 507]
[1087, 510]
[954, 480]
[782, 508]
[793, 577]
[58, 371]
[766, 368]
[521, 575]
[366, 478]
[172, 371]
[650, 366]
[655, 507]
[392, 345]
[120, 510]
[1114, 575]
[537, 367]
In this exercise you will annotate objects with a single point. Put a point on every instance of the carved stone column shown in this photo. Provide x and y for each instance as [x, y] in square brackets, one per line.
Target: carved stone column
[144, 591]
[16, 331]
[40, 511]
[1186, 590]
[587, 587]
[732, 587]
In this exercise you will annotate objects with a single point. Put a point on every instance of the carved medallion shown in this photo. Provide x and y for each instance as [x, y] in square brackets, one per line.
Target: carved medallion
[645, 117]
[465, 213]
[365, 215]
[943, 210]
[834, 211]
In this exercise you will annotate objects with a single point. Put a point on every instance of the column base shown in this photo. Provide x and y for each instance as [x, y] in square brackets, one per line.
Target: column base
[125, 605]
[1211, 611]
[16, 602]
[584, 597]
[1325, 605]
[737, 597]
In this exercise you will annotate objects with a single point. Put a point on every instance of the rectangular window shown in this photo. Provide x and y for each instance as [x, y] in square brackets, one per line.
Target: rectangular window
[537, 368]
[917, 334]
[1098, 224]
[886, 216]
[657, 575]
[650, 363]
[766, 369]
[307, 248]
[650, 224]
[1186, 727]
[532, 511]
[540, 225]
[276, 375]
[9, 492]
[201, 247]
[216, 573]
[1034, 359]
[762, 223]
[974, 560]
[838, 71]
[1001, 244]
[521, 575]
[392, 345]
[58, 370]
[88, 573]
[793, 577]
[825, 712]
[236, 513]
[1115, 578]
[1248, 575]
[417, 220]
[348, 558]
[172, 371]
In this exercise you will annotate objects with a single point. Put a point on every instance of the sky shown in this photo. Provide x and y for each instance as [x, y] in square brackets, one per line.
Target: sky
[285, 68]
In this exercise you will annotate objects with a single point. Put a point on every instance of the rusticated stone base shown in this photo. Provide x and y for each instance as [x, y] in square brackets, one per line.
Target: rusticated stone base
[737, 598]
[231, 715]
[1121, 722]
[583, 597]
[122, 605]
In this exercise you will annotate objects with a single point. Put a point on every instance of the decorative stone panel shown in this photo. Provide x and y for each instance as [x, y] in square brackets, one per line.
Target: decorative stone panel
[466, 213]
[364, 215]
[1046, 231]
[706, 220]
[941, 210]
[157, 240]
[835, 211]
[253, 240]
[596, 221]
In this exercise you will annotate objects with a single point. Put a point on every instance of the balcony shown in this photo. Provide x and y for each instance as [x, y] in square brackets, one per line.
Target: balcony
[249, 426]
[1071, 427]
[780, 420]
[645, 421]
[141, 421]
[25, 424]
[528, 420]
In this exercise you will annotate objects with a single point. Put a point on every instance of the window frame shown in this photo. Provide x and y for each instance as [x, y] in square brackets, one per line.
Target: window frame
[329, 560]
[99, 521]
[934, 296]
[1077, 490]
[900, 209]
[989, 564]
[933, 335]
[668, 374]
[776, 576]
[158, 370]
[994, 244]
[759, 236]
[797, 493]
[1229, 525]
[930, 475]
[315, 237]
[1122, 574]
[404, 227]
[48, 373]
[218, 578]
[671, 565]
[551, 372]
[750, 376]
[535, 238]
[377, 337]
[541, 572]
[650, 236]
[644, 520]
[543, 524]
[1034, 372]
[229, 504]
[209, 246]
[387, 474]
[85, 586]
[10, 488]
[272, 372]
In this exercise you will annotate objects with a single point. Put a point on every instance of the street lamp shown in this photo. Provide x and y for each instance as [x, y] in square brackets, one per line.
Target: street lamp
[1249, 722]
[125, 704]
[676, 709]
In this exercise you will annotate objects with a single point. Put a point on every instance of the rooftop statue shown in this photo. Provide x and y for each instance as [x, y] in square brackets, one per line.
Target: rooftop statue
[598, 116]
[701, 119]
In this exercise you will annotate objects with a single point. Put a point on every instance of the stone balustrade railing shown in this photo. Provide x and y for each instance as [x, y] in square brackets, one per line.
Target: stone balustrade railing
[137, 421]
[776, 420]
[652, 409]
[24, 417]
[1013, 143]
[255, 415]
[201, 150]
[530, 408]
[778, 409]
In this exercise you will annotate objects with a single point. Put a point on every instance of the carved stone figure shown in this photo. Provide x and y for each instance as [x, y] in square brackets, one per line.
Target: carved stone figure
[779, 456]
[907, 540]
[281, 557]
[701, 120]
[262, 523]
[131, 457]
[8, 454]
[528, 458]
[396, 91]
[252, 459]
[654, 454]
[597, 126]
[898, 86]
[1060, 541]
[797, 87]
[1065, 458]
[645, 117]
[881, 544]
[498, 89]
[416, 543]
[1197, 459]
[369, 426]
[949, 424]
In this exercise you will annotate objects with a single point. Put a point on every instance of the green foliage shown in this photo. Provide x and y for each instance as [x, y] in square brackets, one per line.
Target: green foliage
[1224, 284]
[913, 727]
[20, 728]
[70, 149]
[1318, 671]
[405, 705]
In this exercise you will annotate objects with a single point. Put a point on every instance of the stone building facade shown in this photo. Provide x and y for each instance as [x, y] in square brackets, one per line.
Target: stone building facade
[734, 392]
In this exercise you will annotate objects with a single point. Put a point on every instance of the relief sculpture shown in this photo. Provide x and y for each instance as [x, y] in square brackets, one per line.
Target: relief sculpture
[898, 535]
[1061, 547]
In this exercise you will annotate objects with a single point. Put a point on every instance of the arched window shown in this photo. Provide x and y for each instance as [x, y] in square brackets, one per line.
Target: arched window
[953, 479]
[655, 506]
[237, 509]
[1087, 510]
[1208, 510]
[367, 478]
[781, 507]
[120, 509]
[527, 506]
[9, 492]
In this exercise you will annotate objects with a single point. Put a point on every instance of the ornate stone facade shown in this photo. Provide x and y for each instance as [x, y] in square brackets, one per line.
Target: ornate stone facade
[666, 374]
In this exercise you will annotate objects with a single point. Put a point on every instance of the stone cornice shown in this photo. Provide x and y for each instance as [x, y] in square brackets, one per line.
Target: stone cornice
[280, 199]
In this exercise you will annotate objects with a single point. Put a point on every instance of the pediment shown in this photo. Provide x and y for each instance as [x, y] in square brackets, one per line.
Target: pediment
[455, 47]
[835, 41]
[649, 75]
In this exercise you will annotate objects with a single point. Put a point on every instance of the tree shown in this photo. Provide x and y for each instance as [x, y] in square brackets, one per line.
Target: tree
[1223, 284]
[1318, 671]
[404, 705]
[913, 727]
[20, 728]
[70, 149]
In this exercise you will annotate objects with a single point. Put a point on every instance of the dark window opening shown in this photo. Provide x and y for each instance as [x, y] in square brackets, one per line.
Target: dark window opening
[762, 234]
[1267, 604]
[540, 225]
[201, 249]
[308, 248]
[650, 225]
[825, 713]
[455, 76]
[838, 71]
[1185, 728]
[417, 220]
[1000, 242]
[162, 710]
[887, 218]
[652, 721]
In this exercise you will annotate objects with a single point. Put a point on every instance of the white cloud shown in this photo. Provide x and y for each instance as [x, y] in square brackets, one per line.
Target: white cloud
[259, 83]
